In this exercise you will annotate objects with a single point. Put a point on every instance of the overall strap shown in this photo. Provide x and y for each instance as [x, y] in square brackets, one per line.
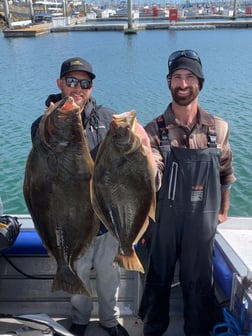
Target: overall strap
[163, 131]
[211, 135]
[165, 146]
[164, 136]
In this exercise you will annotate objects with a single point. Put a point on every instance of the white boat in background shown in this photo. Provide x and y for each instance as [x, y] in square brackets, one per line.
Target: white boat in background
[53, 8]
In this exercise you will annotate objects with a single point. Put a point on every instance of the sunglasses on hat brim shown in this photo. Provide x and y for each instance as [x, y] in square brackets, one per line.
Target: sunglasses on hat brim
[183, 53]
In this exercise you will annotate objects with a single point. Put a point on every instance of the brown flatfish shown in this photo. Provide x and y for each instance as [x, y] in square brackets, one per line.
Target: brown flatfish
[123, 187]
[57, 191]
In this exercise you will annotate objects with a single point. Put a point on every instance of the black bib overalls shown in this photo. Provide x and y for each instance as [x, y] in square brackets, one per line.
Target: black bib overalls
[186, 221]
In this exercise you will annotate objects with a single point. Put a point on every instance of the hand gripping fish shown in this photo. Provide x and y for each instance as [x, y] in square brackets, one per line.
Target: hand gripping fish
[57, 191]
[123, 186]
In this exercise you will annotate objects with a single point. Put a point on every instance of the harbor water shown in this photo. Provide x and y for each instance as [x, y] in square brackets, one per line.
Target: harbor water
[131, 74]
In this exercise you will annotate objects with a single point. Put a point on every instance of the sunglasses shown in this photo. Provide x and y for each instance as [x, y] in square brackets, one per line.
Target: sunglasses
[183, 53]
[73, 82]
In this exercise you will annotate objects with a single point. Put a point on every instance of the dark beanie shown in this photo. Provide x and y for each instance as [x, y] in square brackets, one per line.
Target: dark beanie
[190, 64]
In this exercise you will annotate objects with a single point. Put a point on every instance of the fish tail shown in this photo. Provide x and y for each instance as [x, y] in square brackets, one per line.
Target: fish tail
[129, 262]
[67, 279]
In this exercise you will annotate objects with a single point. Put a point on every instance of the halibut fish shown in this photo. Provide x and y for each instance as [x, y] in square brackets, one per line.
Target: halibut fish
[57, 191]
[123, 187]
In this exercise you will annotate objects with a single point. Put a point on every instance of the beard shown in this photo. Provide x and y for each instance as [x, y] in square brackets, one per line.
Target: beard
[193, 92]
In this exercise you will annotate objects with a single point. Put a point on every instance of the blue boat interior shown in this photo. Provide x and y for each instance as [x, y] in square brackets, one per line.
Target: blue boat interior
[29, 243]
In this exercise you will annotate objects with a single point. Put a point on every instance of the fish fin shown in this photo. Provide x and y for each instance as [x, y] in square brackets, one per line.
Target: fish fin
[129, 262]
[66, 279]
[143, 229]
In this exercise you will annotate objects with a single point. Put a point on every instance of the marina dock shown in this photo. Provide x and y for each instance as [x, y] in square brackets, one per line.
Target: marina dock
[29, 31]
[95, 25]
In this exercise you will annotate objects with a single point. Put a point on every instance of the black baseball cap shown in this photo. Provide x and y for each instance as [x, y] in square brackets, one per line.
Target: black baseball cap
[76, 64]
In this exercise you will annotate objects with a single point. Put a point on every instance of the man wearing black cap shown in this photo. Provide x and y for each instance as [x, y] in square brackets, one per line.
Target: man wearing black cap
[194, 161]
[76, 80]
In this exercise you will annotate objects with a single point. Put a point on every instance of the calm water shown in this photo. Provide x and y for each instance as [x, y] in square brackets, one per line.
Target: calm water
[131, 73]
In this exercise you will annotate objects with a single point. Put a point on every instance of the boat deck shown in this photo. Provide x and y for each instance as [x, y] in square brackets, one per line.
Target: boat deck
[22, 295]
[27, 272]
[132, 324]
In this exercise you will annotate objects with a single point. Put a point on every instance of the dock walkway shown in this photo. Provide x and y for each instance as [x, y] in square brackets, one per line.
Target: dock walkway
[36, 30]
